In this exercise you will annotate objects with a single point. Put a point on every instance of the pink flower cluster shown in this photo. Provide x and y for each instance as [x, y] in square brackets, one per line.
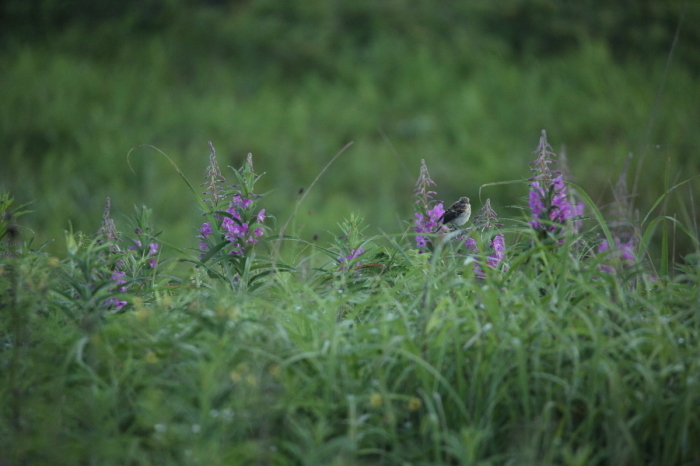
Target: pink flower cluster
[552, 203]
[427, 223]
[118, 277]
[550, 200]
[152, 251]
[427, 214]
[235, 230]
[498, 244]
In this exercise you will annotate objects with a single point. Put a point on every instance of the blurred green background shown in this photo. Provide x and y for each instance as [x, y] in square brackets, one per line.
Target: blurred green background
[465, 85]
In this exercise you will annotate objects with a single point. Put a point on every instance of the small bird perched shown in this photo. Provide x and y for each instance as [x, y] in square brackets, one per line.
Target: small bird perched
[458, 214]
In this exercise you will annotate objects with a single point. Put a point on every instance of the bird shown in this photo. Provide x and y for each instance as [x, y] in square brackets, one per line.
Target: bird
[458, 214]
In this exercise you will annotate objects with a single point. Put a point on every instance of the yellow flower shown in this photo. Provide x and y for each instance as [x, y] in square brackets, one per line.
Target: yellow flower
[151, 357]
[375, 400]
[274, 370]
[251, 380]
[414, 404]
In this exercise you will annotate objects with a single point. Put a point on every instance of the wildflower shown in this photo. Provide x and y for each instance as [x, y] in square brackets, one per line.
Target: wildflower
[152, 251]
[236, 227]
[214, 178]
[623, 232]
[354, 254]
[427, 223]
[487, 219]
[428, 212]
[118, 277]
[549, 199]
[108, 231]
[623, 250]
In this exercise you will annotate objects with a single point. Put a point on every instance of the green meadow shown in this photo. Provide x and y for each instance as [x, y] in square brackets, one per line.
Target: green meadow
[220, 243]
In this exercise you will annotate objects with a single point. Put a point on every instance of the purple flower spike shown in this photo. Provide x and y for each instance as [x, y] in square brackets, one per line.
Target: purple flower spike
[427, 223]
[428, 211]
[235, 226]
[499, 246]
[549, 198]
[206, 229]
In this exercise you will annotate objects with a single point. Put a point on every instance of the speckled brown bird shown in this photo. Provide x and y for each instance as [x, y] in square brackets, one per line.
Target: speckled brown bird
[458, 214]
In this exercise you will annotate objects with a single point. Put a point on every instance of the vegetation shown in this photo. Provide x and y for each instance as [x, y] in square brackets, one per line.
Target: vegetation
[258, 319]
[545, 341]
[466, 86]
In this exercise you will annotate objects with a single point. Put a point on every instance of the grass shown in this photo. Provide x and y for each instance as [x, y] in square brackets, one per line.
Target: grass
[70, 120]
[389, 357]
[331, 340]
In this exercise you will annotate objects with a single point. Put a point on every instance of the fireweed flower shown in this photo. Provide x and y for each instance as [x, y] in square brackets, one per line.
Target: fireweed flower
[152, 251]
[354, 254]
[622, 229]
[428, 211]
[549, 199]
[625, 251]
[107, 234]
[486, 220]
[214, 179]
[118, 277]
[236, 222]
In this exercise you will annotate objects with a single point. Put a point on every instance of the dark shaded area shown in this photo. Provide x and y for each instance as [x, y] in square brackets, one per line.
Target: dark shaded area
[299, 36]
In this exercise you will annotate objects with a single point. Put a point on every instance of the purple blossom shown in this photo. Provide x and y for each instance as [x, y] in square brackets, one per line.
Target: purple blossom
[470, 243]
[152, 251]
[236, 226]
[427, 223]
[205, 230]
[118, 277]
[354, 254]
[116, 303]
[234, 211]
[499, 246]
[428, 211]
[241, 202]
[549, 198]
[625, 251]
[486, 220]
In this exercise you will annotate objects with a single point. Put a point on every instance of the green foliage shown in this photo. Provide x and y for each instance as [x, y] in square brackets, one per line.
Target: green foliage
[377, 353]
[292, 84]
[550, 361]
